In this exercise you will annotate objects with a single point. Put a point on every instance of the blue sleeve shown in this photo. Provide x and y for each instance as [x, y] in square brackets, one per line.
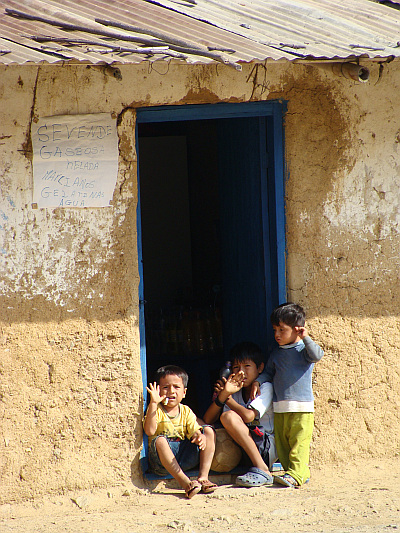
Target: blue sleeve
[313, 351]
[263, 377]
[267, 374]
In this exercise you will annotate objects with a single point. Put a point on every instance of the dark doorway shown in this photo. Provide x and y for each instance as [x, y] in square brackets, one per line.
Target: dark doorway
[210, 242]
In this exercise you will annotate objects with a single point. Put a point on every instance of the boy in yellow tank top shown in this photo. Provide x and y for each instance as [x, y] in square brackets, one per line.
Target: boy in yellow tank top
[177, 442]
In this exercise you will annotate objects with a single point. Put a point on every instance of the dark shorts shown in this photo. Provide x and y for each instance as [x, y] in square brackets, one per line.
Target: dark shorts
[265, 444]
[186, 453]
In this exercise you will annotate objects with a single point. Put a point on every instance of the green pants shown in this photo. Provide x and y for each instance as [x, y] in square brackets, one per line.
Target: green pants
[293, 433]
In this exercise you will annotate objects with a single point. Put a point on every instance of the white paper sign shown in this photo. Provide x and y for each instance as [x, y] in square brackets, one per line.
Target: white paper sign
[75, 160]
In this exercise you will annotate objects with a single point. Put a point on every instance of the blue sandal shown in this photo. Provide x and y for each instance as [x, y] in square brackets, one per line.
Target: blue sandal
[288, 481]
[255, 477]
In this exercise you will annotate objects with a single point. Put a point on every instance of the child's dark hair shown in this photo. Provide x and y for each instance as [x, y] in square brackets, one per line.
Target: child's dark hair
[290, 314]
[244, 351]
[171, 370]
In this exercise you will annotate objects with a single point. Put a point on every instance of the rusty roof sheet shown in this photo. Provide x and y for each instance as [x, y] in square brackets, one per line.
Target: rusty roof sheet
[227, 31]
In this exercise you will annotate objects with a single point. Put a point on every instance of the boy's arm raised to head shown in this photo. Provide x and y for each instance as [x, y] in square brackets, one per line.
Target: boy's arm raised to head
[215, 409]
[224, 388]
[314, 352]
[234, 384]
[150, 421]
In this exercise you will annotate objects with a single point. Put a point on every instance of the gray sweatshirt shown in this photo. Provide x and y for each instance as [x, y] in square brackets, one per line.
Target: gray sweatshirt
[289, 368]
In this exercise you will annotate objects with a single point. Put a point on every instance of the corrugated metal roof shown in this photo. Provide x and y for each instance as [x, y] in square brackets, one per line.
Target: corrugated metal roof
[310, 28]
[229, 31]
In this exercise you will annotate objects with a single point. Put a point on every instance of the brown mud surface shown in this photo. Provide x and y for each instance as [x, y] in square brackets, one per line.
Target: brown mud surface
[355, 498]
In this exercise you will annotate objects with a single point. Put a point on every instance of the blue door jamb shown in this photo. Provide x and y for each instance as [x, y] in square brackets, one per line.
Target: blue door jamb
[277, 203]
[209, 111]
[271, 192]
[142, 331]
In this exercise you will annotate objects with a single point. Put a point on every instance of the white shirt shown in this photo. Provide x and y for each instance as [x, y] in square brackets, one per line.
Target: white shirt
[262, 404]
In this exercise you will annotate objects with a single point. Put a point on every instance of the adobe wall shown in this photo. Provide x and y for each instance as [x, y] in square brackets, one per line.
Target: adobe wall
[70, 380]
[343, 253]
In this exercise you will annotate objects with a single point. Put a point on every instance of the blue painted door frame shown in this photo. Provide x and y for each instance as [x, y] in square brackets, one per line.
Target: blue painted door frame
[265, 133]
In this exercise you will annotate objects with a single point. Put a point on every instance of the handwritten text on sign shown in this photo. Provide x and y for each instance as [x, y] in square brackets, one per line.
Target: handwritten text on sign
[75, 160]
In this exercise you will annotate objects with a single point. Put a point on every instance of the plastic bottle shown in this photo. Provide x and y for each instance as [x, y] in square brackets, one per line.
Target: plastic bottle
[224, 372]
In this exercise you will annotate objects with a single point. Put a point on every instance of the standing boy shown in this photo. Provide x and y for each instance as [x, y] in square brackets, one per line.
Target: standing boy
[249, 422]
[177, 441]
[289, 368]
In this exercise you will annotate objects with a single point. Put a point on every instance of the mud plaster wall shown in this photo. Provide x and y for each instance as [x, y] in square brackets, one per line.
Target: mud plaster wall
[70, 380]
[343, 253]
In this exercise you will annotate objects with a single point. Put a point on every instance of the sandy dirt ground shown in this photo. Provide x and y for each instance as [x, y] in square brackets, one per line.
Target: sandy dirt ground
[358, 498]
